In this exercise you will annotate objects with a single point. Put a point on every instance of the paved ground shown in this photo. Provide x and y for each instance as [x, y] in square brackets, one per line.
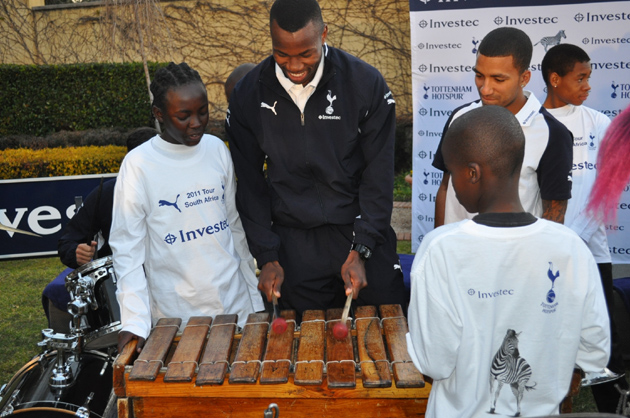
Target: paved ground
[401, 220]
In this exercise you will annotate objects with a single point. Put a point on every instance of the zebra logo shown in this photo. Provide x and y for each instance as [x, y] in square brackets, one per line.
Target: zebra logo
[548, 41]
[509, 368]
[167, 203]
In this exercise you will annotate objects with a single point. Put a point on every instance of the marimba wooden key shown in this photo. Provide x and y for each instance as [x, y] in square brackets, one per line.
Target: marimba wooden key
[339, 354]
[214, 363]
[183, 365]
[246, 366]
[277, 363]
[374, 364]
[309, 366]
[406, 374]
[152, 357]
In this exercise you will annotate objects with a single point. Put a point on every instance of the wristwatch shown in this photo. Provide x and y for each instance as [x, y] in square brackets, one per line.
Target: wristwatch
[364, 252]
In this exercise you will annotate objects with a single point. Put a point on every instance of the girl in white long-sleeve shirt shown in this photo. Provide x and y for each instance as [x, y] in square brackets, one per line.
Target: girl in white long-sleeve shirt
[178, 245]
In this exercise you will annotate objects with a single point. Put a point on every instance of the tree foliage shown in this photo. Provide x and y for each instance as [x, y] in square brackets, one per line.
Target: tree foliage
[212, 36]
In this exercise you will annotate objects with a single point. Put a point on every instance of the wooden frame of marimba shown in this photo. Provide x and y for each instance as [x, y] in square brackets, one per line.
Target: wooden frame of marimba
[211, 371]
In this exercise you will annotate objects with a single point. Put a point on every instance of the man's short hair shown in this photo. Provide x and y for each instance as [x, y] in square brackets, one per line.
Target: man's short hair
[235, 76]
[489, 135]
[293, 15]
[561, 59]
[505, 42]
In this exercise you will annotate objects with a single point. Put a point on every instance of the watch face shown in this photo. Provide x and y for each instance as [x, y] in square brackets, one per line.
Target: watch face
[364, 252]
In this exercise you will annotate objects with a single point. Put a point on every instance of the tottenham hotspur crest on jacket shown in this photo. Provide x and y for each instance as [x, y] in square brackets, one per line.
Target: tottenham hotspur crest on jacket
[330, 109]
[331, 99]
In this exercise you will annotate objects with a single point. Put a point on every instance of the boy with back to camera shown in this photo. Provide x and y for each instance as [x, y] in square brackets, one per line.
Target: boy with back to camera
[566, 71]
[504, 299]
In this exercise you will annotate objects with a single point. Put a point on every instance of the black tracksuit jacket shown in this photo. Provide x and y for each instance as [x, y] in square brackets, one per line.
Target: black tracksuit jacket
[328, 165]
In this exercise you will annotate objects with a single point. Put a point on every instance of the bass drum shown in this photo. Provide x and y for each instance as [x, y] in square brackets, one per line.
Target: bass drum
[29, 393]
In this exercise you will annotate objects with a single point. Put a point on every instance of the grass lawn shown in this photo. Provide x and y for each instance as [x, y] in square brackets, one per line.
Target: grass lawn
[402, 189]
[22, 317]
[21, 314]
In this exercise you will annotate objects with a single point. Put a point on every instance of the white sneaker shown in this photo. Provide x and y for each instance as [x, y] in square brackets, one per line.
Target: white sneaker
[596, 378]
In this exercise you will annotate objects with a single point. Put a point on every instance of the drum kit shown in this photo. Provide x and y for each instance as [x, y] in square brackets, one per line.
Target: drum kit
[73, 374]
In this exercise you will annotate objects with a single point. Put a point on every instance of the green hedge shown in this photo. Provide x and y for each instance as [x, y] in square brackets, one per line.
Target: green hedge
[52, 162]
[38, 100]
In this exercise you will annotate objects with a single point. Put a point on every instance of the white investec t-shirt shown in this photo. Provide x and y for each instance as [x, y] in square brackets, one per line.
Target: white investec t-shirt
[588, 127]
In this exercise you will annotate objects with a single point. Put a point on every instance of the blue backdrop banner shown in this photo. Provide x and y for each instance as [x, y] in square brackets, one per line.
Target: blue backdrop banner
[42, 206]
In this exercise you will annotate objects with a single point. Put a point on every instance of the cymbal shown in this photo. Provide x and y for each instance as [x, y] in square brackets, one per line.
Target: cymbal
[19, 231]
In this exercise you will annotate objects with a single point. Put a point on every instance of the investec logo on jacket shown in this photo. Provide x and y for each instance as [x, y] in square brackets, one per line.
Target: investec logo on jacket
[192, 235]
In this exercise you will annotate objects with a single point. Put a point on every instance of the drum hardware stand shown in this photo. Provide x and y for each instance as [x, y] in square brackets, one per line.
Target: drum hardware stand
[624, 401]
[66, 345]
[82, 301]
[272, 411]
[8, 409]
[84, 411]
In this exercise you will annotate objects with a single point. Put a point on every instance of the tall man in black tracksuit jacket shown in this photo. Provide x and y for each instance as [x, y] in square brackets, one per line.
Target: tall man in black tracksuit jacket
[318, 220]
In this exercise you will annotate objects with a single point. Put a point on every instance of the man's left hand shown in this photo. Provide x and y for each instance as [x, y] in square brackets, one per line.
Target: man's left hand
[353, 274]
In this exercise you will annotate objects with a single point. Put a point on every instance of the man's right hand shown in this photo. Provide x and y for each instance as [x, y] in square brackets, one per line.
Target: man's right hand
[125, 336]
[85, 253]
[270, 279]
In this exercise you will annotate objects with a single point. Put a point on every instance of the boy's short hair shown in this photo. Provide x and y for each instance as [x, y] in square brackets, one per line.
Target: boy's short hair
[235, 76]
[140, 135]
[505, 42]
[293, 15]
[561, 59]
[491, 136]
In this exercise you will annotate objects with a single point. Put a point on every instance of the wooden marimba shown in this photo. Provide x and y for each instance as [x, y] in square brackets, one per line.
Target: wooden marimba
[211, 371]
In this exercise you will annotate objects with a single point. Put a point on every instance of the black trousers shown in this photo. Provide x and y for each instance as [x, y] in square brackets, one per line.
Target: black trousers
[605, 394]
[312, 260]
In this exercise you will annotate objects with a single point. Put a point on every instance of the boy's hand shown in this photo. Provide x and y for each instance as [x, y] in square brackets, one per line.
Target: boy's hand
[85, 253]
[125, 336]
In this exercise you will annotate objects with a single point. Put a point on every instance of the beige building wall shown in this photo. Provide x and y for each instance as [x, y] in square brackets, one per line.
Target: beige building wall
[212, 36]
